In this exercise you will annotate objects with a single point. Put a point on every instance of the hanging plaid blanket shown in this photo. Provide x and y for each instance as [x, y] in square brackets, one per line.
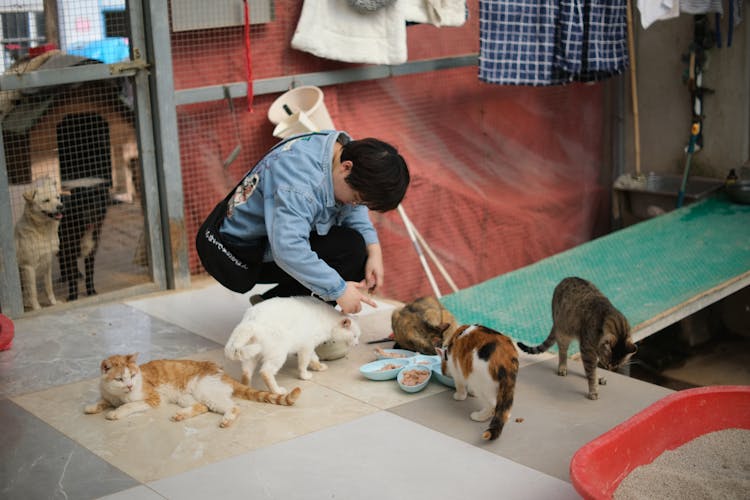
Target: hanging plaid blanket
[538, 42]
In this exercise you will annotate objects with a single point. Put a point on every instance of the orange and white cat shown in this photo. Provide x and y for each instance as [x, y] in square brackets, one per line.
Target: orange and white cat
[277, 327]
[484, 362]
[197, 386]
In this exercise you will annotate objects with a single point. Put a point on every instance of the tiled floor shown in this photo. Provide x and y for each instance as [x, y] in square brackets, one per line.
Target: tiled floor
[346, 437]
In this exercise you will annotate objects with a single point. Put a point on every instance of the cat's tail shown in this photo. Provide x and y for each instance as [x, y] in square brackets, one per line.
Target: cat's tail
[238, 347]
[538, 349]
[246, 392]
[503, 406]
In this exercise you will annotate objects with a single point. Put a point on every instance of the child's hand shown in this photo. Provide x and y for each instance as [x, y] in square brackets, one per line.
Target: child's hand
[374, 268]
[355, 293]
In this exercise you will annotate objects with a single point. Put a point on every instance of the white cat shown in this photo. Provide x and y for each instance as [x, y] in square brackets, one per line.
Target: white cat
[276, 327]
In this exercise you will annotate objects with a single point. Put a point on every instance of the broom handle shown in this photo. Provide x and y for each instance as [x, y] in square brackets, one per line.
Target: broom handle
[434, 258]
[634, 91]
[430, 253]
[422, 260]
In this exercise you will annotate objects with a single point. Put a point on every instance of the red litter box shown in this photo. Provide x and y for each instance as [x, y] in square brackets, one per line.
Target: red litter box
[6, 333]
[597, 469]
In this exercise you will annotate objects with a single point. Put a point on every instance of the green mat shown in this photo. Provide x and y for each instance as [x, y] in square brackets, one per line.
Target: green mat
[645, 270]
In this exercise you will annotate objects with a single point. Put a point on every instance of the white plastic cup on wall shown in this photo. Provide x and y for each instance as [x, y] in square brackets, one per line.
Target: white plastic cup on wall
[299, 110]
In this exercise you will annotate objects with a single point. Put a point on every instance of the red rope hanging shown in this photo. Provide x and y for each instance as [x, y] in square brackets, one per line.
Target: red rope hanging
[248, 59]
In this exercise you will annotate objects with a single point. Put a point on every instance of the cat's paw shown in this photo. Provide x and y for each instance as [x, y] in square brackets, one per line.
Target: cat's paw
[562, 371]
[112, 415]
[481, 416]
[281, 390]
[229, 418]
[593, 395]
[459, 396]
[305, 375]
[318, 367]
[90, 409]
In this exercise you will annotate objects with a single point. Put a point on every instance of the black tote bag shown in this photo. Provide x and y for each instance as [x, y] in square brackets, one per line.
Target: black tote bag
[236, 267]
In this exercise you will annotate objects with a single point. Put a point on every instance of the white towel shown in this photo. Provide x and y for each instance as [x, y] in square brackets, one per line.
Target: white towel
[657, 10]
[436, 12]
[333, 29]
[701, 6]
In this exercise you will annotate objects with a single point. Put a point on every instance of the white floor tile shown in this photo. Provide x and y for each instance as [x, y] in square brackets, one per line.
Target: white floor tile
[211, 311]
[374, 457]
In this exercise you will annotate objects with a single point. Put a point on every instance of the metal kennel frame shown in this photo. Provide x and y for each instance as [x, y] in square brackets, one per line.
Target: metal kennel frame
[150, 68]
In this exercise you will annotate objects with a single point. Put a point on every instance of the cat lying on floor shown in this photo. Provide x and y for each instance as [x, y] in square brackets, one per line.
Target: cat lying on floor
[197, 386]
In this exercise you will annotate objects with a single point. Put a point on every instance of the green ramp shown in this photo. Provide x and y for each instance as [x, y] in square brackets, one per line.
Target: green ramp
[647, 270]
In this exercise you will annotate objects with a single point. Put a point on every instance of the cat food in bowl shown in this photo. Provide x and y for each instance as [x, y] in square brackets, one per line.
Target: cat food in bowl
[414, 378]
[393, 353]
[441, 377]
[383, 369]
[424, 359]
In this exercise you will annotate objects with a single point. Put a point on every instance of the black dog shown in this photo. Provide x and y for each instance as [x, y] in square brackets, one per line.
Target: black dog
[84, 210]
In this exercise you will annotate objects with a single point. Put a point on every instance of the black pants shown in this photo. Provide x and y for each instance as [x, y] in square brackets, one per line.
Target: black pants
[342, 248]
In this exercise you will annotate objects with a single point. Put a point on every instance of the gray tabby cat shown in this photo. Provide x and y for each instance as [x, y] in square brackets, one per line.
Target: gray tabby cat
[580, 311]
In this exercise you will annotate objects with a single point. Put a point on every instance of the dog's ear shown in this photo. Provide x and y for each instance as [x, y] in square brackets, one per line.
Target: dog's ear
[29, 195]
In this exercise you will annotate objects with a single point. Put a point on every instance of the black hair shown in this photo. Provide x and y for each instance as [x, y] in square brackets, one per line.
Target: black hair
[379, 174]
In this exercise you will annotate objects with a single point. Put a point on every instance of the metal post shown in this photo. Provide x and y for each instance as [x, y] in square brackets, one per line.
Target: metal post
[156, 17]
[10, 281]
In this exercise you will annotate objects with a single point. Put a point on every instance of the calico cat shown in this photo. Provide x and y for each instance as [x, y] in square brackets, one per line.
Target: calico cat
[197, 386]
[277, 327]
[422, 325]
[580, 311]
[484, 362]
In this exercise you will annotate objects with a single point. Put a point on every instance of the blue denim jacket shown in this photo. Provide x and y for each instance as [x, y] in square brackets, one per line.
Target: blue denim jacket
[292, 198]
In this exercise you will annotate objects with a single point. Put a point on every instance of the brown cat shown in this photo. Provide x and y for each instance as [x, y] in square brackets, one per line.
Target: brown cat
[422, 325]
[485, 362]
[580, 311]
[197, 386]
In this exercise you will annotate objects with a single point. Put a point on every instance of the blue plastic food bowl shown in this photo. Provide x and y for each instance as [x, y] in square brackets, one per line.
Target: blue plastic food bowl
[410, 368]
[441, 377]
[394, 353]
[375, 369]
[424, 359]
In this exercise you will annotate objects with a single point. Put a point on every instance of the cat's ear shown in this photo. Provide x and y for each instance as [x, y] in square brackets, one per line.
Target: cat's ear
[105, 366]
[132, 358]
[440, 352]
[346, 322]
[631, 348]
[442, 327]
[432, 318]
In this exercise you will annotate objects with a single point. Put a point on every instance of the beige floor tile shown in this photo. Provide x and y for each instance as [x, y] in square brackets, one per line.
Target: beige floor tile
[148, 446]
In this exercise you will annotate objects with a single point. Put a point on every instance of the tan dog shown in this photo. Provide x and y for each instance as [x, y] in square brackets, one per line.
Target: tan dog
[37, 240]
